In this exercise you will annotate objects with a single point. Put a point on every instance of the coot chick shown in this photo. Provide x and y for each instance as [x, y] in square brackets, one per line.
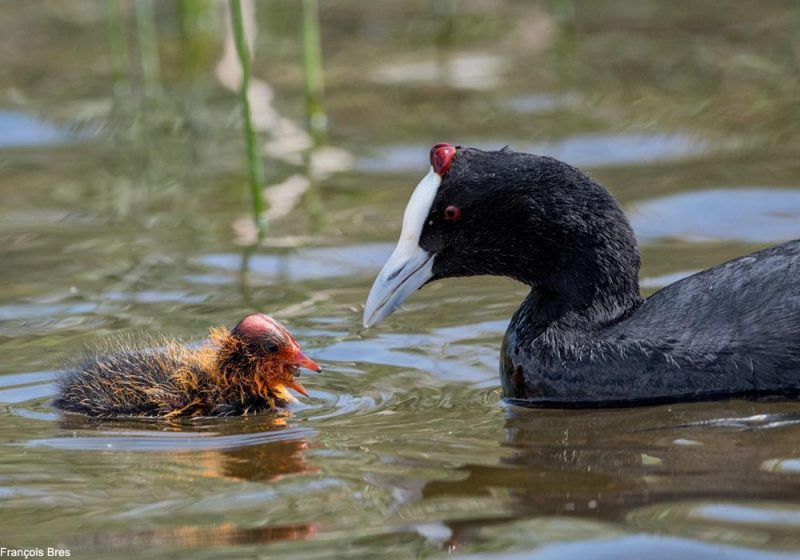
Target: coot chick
[584, 336]
[244, 371]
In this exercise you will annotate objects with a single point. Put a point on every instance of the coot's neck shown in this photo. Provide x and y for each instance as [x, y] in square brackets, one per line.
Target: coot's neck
[589, 277]
[573, 311]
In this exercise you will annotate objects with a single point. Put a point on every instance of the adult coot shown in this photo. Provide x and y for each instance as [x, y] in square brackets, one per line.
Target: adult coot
[244, 371]
[584, 336]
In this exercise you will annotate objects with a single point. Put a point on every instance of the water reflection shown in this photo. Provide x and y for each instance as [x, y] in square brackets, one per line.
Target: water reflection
[645, 452]
[542, 102]
[257, 448]
[687, 470]
[463, 70]
[636, 547]
[182, 537]
[149, 434]
[306, 263]
[758, 523]
[757, 215]
[19, 129]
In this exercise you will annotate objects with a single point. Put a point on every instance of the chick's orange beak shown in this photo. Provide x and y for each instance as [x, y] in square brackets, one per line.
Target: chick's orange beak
[295, 384]
[301, 360]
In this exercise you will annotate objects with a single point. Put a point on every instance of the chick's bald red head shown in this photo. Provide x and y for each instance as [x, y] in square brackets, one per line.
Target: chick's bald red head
[270, 342]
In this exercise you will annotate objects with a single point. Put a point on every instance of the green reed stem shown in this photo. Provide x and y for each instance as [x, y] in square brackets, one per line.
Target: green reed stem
[314, 81]
[148, 46]
[254, 159]
[197, 19]
[116, 41]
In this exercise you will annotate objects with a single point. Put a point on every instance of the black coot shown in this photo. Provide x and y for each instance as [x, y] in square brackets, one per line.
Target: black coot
[584, 336]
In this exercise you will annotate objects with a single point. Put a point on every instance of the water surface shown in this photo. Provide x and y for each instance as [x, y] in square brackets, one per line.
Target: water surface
[687, 112]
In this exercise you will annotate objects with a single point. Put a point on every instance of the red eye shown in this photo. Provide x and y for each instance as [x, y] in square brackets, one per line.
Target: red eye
[452, 213]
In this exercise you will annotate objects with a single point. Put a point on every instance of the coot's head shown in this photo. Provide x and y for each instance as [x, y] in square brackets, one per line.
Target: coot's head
[531, 218]
[259, 350]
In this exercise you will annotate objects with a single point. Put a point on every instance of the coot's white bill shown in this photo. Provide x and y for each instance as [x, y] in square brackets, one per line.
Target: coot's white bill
[409, 266]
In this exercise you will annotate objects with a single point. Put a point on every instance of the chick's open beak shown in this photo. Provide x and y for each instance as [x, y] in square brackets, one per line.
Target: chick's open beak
[294, 384]
[301, 360]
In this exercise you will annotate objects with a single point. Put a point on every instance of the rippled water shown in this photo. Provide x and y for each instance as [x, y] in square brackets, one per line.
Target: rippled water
[124, 211]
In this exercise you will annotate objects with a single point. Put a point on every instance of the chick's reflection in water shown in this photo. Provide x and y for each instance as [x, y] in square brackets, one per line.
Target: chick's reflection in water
[263, 463]
[195, 536]
[255, 449]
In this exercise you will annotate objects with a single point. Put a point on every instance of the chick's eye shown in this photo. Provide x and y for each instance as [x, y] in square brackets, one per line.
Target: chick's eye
[271, 347]
[452, 213]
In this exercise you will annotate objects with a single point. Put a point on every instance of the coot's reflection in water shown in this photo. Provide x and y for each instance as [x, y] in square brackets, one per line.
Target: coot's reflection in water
[697, 471]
